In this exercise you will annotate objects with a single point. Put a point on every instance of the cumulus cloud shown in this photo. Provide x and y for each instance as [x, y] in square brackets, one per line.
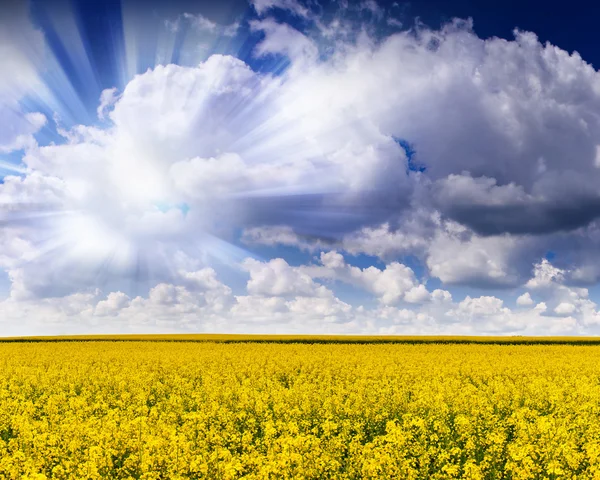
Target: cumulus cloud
[277, 278]
[572, 302]
[545, 275]
[394, 283]
[480, 307]
[565, 308]
[114, 302]
[383, 242]
[525, 300]
[457, 255]
[210, 307]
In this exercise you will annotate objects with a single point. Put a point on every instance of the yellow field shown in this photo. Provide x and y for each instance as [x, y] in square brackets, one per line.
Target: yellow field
[271, 410]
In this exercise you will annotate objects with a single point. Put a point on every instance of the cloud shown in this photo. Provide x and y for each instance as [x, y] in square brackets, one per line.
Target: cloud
[159, 173]
[458, 256]
[525, 300]
[372, 7]
[114, 302]
[393, 22]
[474, 157]
[492, 209]
[565, 308]
[395, 283]
[281, 38]
[108, 98]
[204, 25]
[483, 306]
[274, 235]
[549, 282]
[277, 278]
[294, 6]
[414, 237]
[545, 275]
[211, 307]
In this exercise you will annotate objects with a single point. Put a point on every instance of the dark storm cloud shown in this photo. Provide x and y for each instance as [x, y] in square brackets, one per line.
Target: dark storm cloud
[537, 218]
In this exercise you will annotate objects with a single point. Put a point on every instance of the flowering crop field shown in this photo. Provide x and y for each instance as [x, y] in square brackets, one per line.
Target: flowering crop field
[173, 410]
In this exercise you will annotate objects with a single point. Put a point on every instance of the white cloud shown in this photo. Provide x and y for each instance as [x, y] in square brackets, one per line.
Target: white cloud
[177, 308]
[277, 278]
[201, 22]
[294, 6]
[441, 296]
[541, 307]
[284, 39]
[564, 300]
[396, 282]
[329, 308]
[204, 24]
[108, 98]
[418, 294]
[525, 300]
[384, 243]
[545, 275]
[564, 308]
[280, 235]
[458, 256]
[373, 7]
[199, 302]
[481, 307]
[114, 302]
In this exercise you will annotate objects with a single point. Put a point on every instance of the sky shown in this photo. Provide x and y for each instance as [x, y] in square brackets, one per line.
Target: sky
[278, 166]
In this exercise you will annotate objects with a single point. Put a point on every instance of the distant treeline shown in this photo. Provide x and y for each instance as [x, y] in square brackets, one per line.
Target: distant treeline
[342, 339]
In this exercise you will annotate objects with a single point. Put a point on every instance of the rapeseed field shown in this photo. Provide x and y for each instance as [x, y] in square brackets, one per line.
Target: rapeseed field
[175, 410]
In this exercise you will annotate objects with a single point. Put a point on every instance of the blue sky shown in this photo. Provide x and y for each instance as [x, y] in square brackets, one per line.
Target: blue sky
[279, 166]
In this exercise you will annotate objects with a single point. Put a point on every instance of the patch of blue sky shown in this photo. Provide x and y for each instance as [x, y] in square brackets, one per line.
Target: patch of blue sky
[232, 276]
[80, 67]
[415, 264]
[11, 164]
[73, 62]
[433, 283]
[292, 255]
[103, 20]
[412, 164]
[272, 63]
[165, 207]
[352, 295]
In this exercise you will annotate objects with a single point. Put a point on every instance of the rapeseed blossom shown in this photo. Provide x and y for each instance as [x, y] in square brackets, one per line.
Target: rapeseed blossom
[152, 410]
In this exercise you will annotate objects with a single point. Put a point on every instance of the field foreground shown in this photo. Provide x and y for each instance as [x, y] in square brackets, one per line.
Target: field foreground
[270, 410]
